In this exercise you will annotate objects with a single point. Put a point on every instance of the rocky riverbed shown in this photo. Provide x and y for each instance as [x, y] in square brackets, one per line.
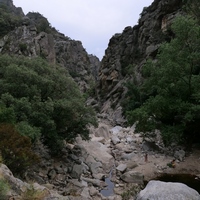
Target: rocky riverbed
[115, 159]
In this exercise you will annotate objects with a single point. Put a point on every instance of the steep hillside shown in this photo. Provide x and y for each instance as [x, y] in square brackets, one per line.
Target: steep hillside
[32, 36]
[130, 49]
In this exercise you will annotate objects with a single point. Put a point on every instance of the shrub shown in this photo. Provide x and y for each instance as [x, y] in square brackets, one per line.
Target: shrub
[4, 188]
[43, 101]
[23, 47]
[7, 115]
[16, 149]
[26, 129]
[33, 194]
[131, 192]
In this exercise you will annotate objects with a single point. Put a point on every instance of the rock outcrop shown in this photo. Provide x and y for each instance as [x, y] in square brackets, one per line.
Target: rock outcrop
[34, 37]
[87, 167]
[18, 188]
[129, 50]
[167, 191]
[9, 4]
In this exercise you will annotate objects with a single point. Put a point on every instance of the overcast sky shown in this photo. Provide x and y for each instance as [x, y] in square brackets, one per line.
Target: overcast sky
[93, 22]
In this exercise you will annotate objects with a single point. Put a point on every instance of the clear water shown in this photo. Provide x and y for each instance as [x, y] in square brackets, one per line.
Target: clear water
[108, 191]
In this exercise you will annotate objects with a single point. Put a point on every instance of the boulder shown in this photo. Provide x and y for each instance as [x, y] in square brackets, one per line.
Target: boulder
[149, 146]
[76, 171]
[116, 130]
[97, 151]
[93, 191]
[18, 187]
[133, 177]
[115, 139]
[122, 167]
[102, 131]
[167, 191]
[94, 182]
[180, 155]
[128, 156]
[131, 164]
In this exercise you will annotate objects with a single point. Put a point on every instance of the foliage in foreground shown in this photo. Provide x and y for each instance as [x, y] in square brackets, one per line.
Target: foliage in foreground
[131, 192]
[4, 188]
[42, 101]
[16, 149]
[169, 98]
[34, 194]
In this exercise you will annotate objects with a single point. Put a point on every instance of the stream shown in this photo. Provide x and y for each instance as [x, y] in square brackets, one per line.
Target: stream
[108, 191]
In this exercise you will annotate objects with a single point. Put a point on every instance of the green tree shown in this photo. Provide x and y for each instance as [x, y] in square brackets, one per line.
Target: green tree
[171, 86]
[42, 100]
[192, 7]
[7, 115]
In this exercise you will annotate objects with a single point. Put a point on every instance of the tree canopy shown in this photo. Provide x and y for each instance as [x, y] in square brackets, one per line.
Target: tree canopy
[169, 97]
[42, 101]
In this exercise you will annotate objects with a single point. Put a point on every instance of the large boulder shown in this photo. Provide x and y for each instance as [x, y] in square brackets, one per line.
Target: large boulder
[158, 190]
[102, 131]
[98, 152]
[133, 177]
[20, 190]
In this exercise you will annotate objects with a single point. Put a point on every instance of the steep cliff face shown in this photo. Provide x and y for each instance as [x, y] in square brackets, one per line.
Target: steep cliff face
[131, 48]
[34, 37]
[11, 7]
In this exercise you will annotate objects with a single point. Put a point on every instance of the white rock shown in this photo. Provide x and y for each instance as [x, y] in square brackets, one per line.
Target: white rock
[121, 167]
[167, 191]
[116, 130]
[115, 139]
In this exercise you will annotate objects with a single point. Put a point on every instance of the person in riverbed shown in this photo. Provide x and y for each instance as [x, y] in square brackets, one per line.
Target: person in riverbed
[146, 157]
[172, 164]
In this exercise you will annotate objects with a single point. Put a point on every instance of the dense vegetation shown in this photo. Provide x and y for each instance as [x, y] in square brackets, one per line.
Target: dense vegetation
[169, 97]
[8, 20]
[41, 102]
[38, 101]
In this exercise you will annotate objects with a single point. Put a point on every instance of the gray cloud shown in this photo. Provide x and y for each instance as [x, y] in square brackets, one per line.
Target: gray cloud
[91, 21]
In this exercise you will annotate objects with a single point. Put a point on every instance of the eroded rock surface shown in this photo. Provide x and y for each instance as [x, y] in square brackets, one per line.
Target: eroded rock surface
[167, 191]
[128, 51]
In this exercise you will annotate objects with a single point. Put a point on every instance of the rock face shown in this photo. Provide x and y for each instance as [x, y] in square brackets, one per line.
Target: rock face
[9, 4]
[34, 37]
[130, 49]
[167, 191]
[19, 188]
[133, 177]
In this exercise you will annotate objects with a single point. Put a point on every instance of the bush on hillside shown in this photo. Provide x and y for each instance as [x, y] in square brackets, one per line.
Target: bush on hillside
[16, 149]
[4, 188]
[43, 101]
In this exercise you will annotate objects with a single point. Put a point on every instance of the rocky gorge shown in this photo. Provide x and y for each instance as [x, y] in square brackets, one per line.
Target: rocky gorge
[116, 158]
[117, 153]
